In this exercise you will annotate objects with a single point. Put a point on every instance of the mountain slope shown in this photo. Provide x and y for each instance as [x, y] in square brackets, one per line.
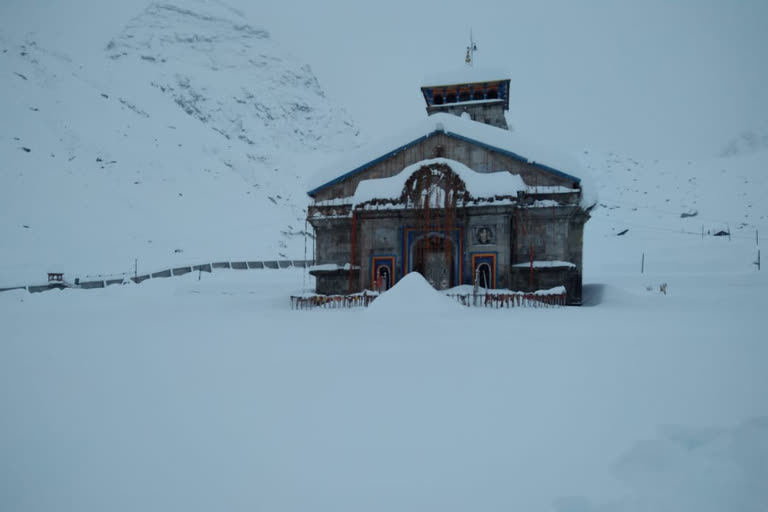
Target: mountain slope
[196, 155]
[668, 213]
[231, 77]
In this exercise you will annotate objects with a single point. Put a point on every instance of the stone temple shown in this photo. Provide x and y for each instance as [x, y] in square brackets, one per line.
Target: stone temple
[459, 198]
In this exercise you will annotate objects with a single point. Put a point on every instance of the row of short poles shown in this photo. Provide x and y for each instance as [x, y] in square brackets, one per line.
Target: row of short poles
[510, 300]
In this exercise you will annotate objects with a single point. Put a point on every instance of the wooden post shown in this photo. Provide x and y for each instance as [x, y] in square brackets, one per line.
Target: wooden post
[136, 269]
[758, 259]
[729, 232]
[304, 274]
[757, 238]
[353, 252]
[530, 281]
[642, 264]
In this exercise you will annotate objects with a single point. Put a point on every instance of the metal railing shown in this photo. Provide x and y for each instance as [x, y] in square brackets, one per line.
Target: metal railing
[124, 277]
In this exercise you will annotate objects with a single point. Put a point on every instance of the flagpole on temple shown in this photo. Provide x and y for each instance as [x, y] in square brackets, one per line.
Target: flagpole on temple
[471, 49]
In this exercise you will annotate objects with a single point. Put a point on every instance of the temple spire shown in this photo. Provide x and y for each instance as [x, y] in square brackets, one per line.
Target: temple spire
[471, 49]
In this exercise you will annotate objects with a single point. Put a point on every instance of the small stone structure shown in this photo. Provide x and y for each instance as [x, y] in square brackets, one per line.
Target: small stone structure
[55, 277]
[459, 198]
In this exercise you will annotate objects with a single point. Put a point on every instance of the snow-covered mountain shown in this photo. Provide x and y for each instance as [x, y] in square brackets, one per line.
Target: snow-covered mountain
[231, 77]
[188, 141]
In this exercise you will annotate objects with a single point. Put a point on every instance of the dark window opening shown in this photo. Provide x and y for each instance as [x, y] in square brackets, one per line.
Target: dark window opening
[450, 97]
[492, 94]
[464, 96]
[437, 100]
[478, 96]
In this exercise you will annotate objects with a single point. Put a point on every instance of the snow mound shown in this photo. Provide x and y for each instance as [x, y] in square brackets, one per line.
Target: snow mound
[414, 293]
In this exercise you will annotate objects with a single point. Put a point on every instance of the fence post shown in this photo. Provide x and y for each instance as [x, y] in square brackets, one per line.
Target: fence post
[530, 279]
[304, 274]
[642, 264]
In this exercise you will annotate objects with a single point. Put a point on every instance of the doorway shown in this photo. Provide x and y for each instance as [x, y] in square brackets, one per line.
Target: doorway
[433, 258]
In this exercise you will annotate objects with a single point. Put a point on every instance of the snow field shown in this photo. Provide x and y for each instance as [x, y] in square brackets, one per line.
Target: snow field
[212, 393]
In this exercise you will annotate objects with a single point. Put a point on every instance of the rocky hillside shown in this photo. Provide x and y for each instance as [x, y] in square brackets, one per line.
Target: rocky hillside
[231, 77]
[190, 140]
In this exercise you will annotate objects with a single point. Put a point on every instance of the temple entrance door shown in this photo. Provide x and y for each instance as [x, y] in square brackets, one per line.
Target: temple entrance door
[433, 259]
[383, 282]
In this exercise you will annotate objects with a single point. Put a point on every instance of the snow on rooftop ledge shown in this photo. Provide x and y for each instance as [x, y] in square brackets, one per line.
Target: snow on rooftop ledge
[546, 264]
[478, 184]
[332, 267]
[466, 75]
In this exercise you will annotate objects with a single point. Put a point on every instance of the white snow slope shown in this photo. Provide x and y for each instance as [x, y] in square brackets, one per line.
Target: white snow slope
[191, 135]
[207, 392]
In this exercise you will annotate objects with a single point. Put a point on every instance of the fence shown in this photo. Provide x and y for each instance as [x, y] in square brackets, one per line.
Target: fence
[510, 300]
[169, 272]
[540, 299]
[313, 301]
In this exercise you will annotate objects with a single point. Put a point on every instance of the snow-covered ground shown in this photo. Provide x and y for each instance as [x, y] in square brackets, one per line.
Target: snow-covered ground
[212, 394]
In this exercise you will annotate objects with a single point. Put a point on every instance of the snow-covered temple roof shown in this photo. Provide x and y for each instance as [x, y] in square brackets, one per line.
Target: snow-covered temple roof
[466, 75]
[495, 139]
[478, 184]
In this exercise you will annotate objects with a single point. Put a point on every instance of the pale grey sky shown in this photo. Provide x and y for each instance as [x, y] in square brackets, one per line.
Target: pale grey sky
[653, 78]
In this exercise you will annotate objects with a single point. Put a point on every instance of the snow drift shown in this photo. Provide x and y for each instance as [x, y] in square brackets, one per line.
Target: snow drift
[413, 294]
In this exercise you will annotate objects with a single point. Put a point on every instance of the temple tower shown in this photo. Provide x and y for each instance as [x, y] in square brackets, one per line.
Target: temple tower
[483, 95]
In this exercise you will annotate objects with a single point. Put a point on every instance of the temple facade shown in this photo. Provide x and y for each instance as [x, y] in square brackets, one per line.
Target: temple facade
[458, 198]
